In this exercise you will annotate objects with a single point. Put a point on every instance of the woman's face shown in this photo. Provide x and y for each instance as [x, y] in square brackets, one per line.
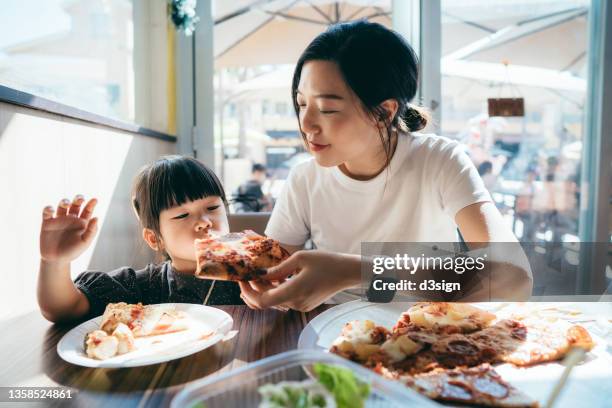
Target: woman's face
[336, 127]
[181, 225]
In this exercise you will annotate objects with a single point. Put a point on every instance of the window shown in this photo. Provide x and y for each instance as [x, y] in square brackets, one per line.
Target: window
[282, 108]
[531, 164]
[256, 45]
[102, 56]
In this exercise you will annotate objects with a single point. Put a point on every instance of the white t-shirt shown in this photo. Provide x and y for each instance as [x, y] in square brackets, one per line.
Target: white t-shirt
[429, 179]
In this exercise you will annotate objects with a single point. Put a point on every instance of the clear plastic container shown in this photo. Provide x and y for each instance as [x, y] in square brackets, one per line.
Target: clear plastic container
[238, 388]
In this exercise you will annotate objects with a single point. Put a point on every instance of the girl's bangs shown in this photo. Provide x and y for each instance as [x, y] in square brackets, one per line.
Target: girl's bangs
[182, 181]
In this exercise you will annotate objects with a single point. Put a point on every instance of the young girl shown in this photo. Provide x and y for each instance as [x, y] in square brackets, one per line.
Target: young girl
[177, 199]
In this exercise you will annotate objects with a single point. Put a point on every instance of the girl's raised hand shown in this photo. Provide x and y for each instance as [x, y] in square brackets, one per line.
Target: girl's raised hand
[67, 232]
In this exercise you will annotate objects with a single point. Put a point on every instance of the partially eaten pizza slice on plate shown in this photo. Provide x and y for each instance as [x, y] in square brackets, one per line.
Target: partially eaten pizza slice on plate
[143, 320]
[122, 323]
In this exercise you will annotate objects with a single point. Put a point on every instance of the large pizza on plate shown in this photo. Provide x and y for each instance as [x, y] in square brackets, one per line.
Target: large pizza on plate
[445, 350]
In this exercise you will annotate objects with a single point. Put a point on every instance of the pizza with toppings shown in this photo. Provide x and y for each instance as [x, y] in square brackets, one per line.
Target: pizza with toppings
[122, 323]
[480, 385]
[444, 316]
[359, 340]
[444, 350]
[237, 256]
[142, 320]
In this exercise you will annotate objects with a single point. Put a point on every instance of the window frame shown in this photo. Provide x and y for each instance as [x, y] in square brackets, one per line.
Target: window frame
[15, 97]
[25, 99]
[595, 203]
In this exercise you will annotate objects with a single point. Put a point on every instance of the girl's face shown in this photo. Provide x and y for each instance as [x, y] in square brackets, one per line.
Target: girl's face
[338, 130]
[181, 225]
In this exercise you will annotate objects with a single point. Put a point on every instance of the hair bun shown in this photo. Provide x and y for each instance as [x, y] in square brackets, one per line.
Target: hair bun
[415, 118]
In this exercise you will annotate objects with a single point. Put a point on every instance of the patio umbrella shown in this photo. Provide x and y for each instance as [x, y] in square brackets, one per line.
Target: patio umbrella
[545, 46]
[249, 33]
[555, 40]
[276, 31]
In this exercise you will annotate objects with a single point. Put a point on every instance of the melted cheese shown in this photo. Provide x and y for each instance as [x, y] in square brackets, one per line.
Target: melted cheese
[125, 339]
[359, 331]
[461, 315]
[220, 245]
[100, 345]
[357, 337]
[399, 348]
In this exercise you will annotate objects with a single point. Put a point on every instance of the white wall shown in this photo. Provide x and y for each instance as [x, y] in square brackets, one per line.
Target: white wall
[45, 157]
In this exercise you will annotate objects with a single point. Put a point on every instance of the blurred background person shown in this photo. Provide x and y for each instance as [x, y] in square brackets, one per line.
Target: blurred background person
[485, 170]
[249, 196]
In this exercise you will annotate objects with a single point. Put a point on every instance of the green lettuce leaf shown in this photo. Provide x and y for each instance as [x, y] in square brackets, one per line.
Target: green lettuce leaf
[348, 391]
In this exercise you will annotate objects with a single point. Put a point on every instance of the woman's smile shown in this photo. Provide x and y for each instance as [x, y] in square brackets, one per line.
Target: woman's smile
[316, 147]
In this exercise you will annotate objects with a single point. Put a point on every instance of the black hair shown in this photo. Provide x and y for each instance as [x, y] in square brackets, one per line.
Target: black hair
[169, 182]
[377, 64]
[258, 167]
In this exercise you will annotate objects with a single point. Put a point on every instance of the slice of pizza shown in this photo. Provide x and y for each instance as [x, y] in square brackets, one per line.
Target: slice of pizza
[237, 256]
[115, 313]
[161, 319]
[150, 320]
[122, 323]
[521, 343]
[480, 385]
[541, 342]
[444, 317]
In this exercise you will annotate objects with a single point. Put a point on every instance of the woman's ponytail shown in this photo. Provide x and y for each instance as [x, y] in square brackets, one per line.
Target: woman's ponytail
[414, 118]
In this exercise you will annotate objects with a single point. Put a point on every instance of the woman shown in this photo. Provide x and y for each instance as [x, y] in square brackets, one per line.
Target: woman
[371, 179]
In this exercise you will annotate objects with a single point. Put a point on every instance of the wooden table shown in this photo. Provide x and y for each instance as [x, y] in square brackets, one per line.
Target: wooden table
[28, 357]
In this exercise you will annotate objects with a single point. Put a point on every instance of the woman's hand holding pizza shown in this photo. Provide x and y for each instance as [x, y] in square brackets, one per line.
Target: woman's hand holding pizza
[68, 231]
[317, 276]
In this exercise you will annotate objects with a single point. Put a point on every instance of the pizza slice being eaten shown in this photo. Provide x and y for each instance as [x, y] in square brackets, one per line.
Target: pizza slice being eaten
[237, 256]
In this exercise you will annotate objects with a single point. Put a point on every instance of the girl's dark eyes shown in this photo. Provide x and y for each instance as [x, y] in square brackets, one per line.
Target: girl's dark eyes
[185, 215]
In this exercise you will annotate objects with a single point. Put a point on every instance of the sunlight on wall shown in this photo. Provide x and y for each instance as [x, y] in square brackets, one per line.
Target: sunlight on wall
[44, 159]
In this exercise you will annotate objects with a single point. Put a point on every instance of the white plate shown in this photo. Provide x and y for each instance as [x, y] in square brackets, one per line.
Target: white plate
[588, 384]
[152, 349]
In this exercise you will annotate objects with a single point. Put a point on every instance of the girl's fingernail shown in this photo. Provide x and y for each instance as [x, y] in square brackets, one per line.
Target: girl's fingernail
[65, 202]
[79, 198]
